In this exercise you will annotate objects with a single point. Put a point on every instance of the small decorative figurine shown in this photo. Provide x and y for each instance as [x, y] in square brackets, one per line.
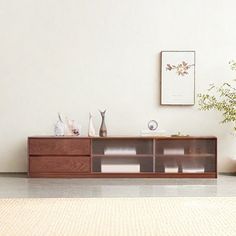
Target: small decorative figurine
[59, 128]
[75, 128]
[103, 128]
[91, 129]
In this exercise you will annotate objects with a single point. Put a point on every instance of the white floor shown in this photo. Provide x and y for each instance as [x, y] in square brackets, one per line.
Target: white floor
[14, 186]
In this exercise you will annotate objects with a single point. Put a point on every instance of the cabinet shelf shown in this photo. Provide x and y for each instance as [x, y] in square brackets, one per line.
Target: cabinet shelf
[186, 155]
[125, 173]
[187, 175]
[122, 155]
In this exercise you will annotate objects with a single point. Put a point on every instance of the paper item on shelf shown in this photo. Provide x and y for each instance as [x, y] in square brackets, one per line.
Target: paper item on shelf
[193, 170]
[190, 166]
[171, 167]
[171, 170]
[119, 151]
[120, 168]
[153, 133]
[120, 165]
[173, 151]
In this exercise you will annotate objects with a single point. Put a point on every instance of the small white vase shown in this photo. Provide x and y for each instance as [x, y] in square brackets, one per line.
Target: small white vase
[91, 129]
[59, 129]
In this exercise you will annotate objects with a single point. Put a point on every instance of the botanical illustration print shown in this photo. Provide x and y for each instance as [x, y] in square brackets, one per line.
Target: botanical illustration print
[181, 69]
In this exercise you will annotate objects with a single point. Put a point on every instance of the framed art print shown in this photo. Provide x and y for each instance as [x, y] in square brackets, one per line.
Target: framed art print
[177, 78]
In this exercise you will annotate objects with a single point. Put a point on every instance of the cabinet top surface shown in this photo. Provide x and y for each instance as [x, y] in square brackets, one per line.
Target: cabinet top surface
[122, 137]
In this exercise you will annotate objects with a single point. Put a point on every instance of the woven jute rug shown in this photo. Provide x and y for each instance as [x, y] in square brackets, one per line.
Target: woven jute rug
[118, 216]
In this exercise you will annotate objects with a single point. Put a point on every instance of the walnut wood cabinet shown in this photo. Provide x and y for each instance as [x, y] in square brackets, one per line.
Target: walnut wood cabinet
[154, 157]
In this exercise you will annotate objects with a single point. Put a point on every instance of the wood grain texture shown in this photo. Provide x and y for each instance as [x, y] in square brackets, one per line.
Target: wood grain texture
[60, 164]
[63, 146]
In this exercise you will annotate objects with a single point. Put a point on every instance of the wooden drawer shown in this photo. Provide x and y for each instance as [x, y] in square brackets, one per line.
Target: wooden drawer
[60, 164]
[59, 146]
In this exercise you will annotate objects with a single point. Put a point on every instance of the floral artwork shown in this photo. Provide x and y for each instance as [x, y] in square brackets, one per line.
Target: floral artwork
[181, 69]
[178, 78]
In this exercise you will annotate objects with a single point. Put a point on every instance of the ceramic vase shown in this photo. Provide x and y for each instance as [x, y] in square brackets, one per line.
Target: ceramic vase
[59, 128]
[91, 129]
[103, 128]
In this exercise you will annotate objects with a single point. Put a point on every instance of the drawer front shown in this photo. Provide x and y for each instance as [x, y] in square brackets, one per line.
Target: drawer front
[60, 164]
[59, 146]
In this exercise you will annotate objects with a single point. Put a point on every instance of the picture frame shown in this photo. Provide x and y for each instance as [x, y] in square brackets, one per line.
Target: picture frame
[178, 78]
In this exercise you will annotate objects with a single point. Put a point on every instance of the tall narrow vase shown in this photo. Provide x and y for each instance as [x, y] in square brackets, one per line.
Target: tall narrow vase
[103, 128]
[91, 129]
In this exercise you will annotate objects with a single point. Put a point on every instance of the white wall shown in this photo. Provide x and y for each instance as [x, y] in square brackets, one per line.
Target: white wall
[76, 56]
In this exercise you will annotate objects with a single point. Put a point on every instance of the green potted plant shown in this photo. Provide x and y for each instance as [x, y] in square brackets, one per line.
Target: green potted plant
[221, 98]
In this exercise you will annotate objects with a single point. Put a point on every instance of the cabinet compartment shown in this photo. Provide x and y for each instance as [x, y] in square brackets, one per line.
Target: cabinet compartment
[59, 164]
[121, 146]
[187, 156]
[145, 164]
[185, 164]
[186, 146]
[122, 155]
[59, 146]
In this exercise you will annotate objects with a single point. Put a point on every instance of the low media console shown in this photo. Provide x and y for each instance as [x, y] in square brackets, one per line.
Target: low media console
[95, 157]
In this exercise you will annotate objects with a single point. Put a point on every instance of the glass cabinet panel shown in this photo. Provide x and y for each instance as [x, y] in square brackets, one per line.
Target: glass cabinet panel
[186, 156]
[122, 155]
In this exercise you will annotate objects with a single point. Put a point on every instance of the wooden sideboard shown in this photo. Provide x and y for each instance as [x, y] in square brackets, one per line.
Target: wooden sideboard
[154, 157]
